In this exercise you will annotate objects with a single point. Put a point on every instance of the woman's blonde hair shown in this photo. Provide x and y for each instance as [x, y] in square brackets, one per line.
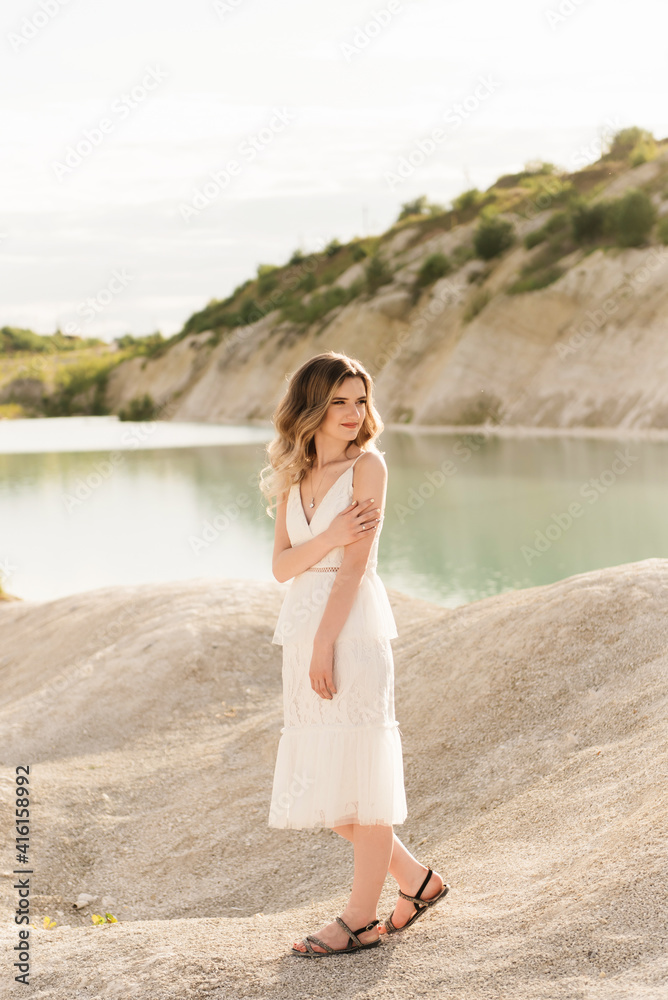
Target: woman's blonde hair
[299, 414]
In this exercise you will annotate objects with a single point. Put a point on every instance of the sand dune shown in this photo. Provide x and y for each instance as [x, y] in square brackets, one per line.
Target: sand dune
[535, 731]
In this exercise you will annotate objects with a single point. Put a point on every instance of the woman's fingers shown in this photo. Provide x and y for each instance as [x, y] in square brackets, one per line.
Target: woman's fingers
[363, 504]
[324, 688]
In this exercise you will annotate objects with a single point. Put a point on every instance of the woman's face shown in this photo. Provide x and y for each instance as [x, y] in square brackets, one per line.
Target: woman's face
[347, 410]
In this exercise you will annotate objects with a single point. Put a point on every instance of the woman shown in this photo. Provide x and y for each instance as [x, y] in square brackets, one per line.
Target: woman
[339, 761]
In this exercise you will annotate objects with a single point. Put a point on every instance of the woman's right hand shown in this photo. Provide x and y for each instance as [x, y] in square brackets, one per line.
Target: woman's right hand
[346, 527]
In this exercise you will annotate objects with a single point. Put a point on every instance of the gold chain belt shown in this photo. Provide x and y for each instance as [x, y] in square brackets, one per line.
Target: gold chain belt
[322, 569]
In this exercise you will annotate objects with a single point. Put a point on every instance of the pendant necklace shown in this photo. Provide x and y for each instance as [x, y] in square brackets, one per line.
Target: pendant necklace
[312, 503]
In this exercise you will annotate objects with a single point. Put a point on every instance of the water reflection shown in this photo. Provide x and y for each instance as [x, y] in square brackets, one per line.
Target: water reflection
[467, 515]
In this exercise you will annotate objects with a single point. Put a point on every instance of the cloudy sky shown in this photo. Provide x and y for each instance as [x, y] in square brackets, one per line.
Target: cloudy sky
[155, 152]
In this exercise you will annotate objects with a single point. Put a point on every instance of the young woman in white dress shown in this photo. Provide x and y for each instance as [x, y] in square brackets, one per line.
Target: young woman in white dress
[339, 761]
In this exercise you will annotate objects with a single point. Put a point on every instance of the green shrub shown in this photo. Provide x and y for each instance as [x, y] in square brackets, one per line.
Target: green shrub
[435, 266]
[461, 254]
[332, 248]
[305, 313]
[308, 283]
[250, 312]
[643, 152]
[359, 253]
[376, 273]
[591, 222]
[418, 206]
[141, 345]
[74, 380]
[533, 239]
[532, 282]
[632, 144]
[662, 229]
[297, 257]
[139, 408]
[240, 288]
[634, 216]
[267, 279]
[14, 339]
[492, 237]
[467, 199]
[556, 222]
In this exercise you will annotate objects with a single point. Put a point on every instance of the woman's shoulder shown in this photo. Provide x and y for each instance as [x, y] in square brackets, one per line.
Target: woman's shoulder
[371, 469]
[371, 459]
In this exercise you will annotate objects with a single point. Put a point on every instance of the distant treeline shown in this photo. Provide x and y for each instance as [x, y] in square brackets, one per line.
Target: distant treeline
[14, 339]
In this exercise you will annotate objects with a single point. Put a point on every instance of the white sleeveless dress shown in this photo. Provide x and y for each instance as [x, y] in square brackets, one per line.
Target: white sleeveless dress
[339, 761]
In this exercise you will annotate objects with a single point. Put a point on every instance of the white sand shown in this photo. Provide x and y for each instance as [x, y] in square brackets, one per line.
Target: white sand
[535, 734]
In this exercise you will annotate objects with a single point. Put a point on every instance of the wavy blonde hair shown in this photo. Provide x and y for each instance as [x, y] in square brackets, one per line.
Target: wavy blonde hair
[299, 414]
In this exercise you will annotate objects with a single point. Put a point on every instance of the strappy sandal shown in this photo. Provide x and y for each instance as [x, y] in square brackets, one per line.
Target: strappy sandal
[421, 905]
[349, 948]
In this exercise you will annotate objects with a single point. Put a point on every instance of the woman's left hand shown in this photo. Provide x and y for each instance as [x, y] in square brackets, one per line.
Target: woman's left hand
[321, 672]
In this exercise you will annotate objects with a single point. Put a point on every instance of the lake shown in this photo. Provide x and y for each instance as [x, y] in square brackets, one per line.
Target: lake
[89, 502]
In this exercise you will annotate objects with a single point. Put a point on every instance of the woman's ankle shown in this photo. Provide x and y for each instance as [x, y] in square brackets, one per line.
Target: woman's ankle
[411, 878]
[356, 917]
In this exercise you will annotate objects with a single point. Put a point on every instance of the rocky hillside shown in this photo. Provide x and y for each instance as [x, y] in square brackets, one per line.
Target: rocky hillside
[541, 302]
[534, 729]
[553, 331]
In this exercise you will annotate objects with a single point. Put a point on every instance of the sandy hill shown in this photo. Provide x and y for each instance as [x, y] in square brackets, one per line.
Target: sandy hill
[535, 733]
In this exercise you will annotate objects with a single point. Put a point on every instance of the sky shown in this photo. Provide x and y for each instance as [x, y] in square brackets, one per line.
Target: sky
[156, 152]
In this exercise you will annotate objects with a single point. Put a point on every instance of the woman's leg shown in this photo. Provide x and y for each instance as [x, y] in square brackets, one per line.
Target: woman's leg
[407, 872]
[372, 847]
[409, 875]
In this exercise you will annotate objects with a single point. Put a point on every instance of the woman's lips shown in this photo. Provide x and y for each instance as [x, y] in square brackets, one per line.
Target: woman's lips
[350, 425]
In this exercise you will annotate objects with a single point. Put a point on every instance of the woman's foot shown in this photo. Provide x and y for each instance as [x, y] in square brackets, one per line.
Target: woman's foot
[335, 936]
[403, 909]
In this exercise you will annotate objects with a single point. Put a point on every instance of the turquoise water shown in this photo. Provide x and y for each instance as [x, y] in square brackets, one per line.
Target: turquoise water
[91, 502]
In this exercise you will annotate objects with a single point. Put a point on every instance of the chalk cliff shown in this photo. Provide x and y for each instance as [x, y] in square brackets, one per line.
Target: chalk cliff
[587, 350]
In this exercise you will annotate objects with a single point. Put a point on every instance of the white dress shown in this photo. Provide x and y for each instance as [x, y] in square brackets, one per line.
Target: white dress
[339, 761]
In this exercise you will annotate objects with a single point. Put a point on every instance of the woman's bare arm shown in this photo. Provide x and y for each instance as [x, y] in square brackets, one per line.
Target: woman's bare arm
[289, 560]
[370, 481]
